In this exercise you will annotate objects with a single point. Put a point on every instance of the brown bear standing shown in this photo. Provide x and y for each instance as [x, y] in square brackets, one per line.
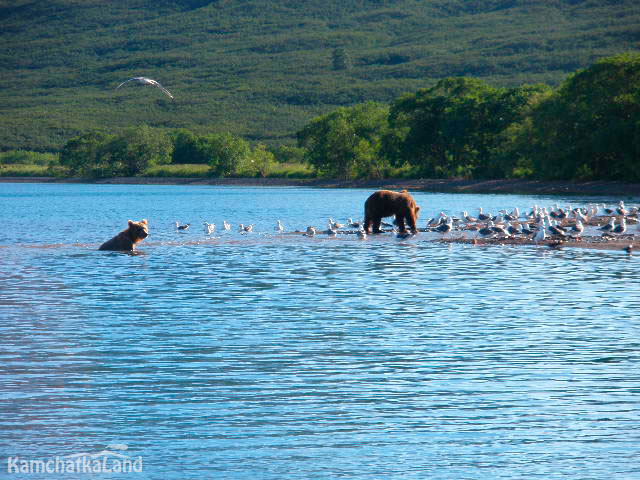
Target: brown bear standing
[385, 203]
[126, 240]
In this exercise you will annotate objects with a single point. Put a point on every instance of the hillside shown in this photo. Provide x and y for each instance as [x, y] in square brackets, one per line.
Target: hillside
[262, 69]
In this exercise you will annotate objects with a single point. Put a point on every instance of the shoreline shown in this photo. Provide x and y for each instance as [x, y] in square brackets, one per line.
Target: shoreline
[531, 187]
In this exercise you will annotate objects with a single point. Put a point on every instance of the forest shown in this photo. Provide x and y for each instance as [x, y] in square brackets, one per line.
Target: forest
[262, 70]
[587, 128]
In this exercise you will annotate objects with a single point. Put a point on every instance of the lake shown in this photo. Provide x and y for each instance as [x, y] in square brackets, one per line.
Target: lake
[279, 356]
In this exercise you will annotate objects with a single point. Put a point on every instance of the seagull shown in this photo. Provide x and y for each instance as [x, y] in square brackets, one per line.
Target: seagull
[362, 235]
[468, 217]
[507, 216]
[147, 81]
[578, 227]
[445, 227]
[526, 229]
[540, 233]
[500, 230]
[334, 225]
[483, 216]
[209, 228]
[226, 225]
[279, 227]
[559, 213]
[514, 229]
[245, 228]
[442, 218]
[556, 230]
[621, 210]
[433, 222]
[353, 224]
[311, 231]
[609, 226]
[621, 227]
[487, 231]
[182, 227]
[581, 216]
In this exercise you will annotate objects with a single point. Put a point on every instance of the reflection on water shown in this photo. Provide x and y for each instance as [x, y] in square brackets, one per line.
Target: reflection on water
[265, 356]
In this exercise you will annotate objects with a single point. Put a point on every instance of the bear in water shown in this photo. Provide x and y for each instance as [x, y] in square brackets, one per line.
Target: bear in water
[126, 240]
[385, 203]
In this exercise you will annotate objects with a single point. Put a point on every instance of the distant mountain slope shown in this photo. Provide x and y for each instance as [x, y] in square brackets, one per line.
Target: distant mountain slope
[262, 69]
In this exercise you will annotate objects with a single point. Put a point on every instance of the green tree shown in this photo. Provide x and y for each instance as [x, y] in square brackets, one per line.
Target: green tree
[504, 133]
[258, 163]
[346, 143]
[455, 127]
[288, 154]
[512, 156]
[84, 155]
[188, 147]
[137, 149]
[226, 153]
[589, 128]
[263, 159]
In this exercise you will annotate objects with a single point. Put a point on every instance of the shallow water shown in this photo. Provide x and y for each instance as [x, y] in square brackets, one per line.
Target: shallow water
[266, 356]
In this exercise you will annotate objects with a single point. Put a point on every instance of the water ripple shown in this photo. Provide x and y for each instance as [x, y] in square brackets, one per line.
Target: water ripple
[278, 357]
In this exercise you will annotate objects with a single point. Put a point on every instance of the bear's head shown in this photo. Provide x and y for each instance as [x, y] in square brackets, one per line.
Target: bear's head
[138, 231]
[412, 203]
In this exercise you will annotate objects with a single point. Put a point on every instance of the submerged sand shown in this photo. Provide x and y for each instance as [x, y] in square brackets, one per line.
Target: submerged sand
[629, 243]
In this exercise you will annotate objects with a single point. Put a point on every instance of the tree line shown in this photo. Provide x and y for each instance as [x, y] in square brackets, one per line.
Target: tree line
[97, 154]
[586, 129]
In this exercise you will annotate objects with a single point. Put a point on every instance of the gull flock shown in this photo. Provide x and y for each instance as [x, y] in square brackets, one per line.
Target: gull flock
[535, 225]
[551, 224]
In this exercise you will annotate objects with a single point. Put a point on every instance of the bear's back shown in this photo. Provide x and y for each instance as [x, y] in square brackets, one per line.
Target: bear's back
[387, 202]
[122, 241]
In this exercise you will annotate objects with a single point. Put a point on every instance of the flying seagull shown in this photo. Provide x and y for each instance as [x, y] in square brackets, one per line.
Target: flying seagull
[148, 81]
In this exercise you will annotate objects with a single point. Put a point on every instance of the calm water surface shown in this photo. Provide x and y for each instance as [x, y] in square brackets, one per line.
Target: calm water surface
[265, 356]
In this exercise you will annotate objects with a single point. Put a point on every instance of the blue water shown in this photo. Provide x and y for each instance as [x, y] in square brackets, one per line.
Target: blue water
[267, 356]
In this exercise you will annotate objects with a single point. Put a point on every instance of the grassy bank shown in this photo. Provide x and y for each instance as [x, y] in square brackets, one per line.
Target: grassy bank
[24, 170]
[280, 170]
[291, 170]
[180, 170]
[192, 170]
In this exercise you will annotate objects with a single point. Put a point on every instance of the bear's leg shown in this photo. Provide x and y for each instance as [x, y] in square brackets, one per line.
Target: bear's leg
[376, 225]
[367, 223]
[411, 220]
[400, 224]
